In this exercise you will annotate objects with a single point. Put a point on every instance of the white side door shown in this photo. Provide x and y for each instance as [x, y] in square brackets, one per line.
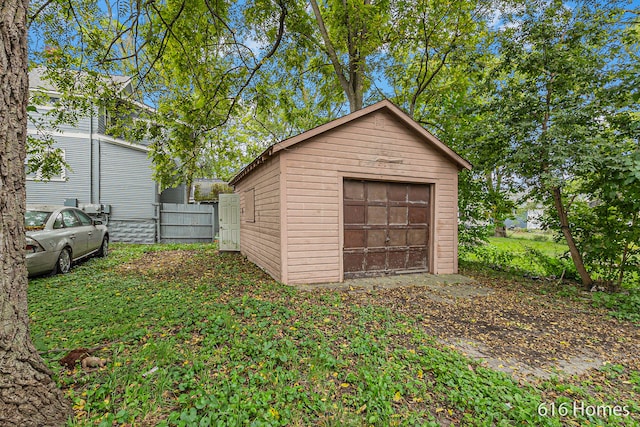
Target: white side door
[229, 222]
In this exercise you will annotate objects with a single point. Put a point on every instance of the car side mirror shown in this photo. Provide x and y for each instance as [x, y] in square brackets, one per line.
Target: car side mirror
[96, 222]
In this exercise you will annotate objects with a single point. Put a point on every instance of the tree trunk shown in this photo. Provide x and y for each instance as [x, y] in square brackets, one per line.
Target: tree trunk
[500, 230]
[28, 395]
[576, 256]
[351, 75]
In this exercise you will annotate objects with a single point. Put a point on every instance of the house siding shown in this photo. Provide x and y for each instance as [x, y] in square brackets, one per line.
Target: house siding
[376, 147]
[77, 185]
[101, 122]
[119, 176]
[260, 239]
[82, 125]
[102, 170]
[131, 191]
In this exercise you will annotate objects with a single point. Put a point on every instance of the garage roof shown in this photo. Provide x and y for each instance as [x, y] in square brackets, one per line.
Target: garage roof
[383, 105]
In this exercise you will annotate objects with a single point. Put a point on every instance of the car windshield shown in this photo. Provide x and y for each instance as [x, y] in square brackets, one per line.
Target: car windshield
[35, 220]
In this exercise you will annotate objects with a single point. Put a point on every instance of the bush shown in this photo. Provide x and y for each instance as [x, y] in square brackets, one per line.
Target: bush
[211, 192]
[625, 306]
[553, 266]
[607, 238]
[494, 257]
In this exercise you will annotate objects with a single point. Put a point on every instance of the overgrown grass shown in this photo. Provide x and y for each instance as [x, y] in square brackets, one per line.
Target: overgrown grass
[211, 340]
[532, 257]
[537, 256]
[624, 305]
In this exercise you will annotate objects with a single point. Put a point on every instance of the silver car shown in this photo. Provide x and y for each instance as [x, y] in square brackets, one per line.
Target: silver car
[59, 236]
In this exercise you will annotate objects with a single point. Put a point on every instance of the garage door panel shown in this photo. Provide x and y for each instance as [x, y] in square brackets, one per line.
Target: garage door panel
[376, 191]
[354, 238]
[376, 238]
[353, 262]
[416, 237]
[386, 228]
[397, 237]
[418, 215]
[353, 214]
[397, 260]
[417, 259]
[354, 190]
[397, 192]
[419, 194]
[376, 260]
[376, 215]
[398, 215]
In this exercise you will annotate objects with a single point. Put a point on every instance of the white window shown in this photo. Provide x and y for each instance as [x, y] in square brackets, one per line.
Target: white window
[38, 175]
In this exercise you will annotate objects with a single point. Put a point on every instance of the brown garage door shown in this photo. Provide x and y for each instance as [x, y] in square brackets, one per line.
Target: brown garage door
[386, 228]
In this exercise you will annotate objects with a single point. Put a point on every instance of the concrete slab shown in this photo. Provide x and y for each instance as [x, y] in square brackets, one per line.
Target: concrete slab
[452, 285]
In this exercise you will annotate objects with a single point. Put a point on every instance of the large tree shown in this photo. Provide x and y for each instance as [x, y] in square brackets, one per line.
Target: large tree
[562, 62]
[360, 51]
[28, 395]
[430, 52]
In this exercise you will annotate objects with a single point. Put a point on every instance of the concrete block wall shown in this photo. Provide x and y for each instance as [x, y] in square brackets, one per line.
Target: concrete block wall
[132, 231]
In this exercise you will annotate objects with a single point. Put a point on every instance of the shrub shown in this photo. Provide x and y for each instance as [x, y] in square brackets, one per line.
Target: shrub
[494, 257]
[625, 305]
[553, 266]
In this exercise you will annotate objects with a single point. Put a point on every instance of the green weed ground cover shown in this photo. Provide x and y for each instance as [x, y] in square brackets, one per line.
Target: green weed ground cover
[538, 256]
[524, 254]
[198, 338]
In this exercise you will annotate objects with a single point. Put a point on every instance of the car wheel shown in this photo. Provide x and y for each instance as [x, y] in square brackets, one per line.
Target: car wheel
[104, 248]
[64, 262]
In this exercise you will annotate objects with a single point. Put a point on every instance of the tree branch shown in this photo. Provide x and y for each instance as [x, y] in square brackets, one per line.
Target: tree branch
[39, 11]
[330, 50]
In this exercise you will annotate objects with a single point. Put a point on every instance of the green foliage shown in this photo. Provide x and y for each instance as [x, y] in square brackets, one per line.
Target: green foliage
[201, 338]
[213, 190]
[524, 256]
[494, 257]
[608, 238]
[44, 160]
[625, 305]
[472, 202]
[183, 58]
[561, 67]
[609, 226]
[432, 52]
[552, 266]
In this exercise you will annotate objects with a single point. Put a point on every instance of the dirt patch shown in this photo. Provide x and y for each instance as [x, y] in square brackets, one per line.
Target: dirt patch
[161, 265]
[511, 329]
[576, 365]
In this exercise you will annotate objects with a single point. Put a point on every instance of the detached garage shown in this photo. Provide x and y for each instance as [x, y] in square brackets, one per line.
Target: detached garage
[368, 194]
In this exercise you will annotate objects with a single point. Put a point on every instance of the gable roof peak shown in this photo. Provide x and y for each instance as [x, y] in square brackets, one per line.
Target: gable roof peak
[382, 105]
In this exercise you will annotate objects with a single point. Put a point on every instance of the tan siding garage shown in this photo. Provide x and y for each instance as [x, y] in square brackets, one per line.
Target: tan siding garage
[368, 194]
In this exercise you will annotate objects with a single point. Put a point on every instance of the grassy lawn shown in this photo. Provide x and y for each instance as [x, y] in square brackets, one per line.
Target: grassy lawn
[537, 256]
[198, 338]
[518, 244]
[533, 254]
